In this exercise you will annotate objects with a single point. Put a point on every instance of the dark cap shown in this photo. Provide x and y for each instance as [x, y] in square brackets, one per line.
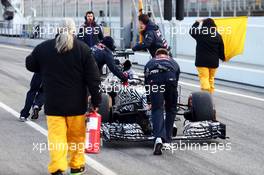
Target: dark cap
[144, 18]
[162, 51]
[109, 42]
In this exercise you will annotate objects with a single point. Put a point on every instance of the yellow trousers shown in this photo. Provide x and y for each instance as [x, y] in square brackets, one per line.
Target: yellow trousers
[66, 137]
[206, 77]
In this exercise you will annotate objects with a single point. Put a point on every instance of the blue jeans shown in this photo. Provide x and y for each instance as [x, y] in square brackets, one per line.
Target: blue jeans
[34, 95]
[163, 124]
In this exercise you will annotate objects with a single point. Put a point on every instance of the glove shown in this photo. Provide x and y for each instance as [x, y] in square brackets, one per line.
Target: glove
[125, 83]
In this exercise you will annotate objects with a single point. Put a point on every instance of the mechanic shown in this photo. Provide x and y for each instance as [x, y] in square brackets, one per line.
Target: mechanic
[90, 32]
[127, 68]
[161, 77]
[153, 39]
[34, 99]
[103, 54]
[68, 71]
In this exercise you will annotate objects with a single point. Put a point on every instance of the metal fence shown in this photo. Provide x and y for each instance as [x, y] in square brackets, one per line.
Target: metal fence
[48, 29]
[70, 8]
[77, 8]
[224, 7]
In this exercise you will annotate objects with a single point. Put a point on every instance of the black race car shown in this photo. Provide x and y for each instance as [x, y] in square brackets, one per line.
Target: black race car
[125, 116]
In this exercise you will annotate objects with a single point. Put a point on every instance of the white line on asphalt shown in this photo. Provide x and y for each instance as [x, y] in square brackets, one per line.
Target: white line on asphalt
[16, 48]
[16, 114]
[183, 83]
[89, 161]
[224, 92]
[225, 66]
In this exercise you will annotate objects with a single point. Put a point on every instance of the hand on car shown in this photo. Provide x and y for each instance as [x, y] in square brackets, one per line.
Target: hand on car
[125, 83]
[94, 109]
[149, 107]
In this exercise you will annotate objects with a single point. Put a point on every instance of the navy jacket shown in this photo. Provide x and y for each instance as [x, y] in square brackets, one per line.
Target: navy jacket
[161, 71]
[209, 48]
[104, 56]
[153, 40]
[91, 34]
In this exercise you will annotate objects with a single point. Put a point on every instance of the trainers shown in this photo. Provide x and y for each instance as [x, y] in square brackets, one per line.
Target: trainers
[23, 119]
[35, 113]
[78, 171]
[59, 172]
[158, 147]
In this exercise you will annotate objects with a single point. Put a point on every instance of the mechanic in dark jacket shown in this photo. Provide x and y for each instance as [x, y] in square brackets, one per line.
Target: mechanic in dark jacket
[153, 39]
[34, 99]
[67, 68]
[103, 55]
[90, 32]
[209, 50]
[161, 79]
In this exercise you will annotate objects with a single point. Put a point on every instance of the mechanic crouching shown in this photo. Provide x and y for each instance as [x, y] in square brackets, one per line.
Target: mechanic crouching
[161, 79]
[103, 54]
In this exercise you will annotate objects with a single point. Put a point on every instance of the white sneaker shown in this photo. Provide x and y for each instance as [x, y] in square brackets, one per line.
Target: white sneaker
[22, 119]
[158, 146]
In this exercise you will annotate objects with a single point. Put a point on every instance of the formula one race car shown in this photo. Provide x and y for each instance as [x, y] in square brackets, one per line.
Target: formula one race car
[125, 116]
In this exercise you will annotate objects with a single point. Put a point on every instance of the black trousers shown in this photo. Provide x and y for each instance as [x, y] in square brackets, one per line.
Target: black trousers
[164, 109]
[34, 95]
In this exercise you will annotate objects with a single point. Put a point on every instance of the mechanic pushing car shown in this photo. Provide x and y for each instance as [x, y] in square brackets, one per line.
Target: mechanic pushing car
[153, 39]
[161, 80]
[34, 99]
[103, 54]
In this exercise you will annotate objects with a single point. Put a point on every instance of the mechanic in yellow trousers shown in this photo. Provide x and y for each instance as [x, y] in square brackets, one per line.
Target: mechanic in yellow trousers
[209, 49]
[67, 68]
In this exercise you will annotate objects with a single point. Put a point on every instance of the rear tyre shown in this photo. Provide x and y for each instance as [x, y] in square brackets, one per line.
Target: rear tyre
[105, 108]
[202, 106]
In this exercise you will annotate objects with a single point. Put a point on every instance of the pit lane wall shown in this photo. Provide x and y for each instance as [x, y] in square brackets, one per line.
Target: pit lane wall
[247, 68]
[234, 72]
[20, 41]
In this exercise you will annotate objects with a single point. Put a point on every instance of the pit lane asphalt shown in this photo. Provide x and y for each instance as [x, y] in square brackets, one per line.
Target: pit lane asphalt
[244, 118]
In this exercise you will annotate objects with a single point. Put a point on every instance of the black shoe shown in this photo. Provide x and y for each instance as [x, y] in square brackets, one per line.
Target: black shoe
[158, 147]
[22, 118]
[59, 172]
[78, 171]
[35, 113]
[174, 130]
